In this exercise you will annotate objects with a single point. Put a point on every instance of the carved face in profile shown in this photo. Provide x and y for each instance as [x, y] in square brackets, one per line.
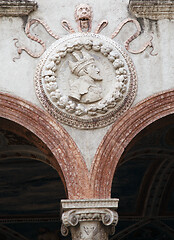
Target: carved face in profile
[93, 71]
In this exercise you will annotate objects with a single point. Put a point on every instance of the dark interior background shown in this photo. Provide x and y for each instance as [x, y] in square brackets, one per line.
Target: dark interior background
[30, 189]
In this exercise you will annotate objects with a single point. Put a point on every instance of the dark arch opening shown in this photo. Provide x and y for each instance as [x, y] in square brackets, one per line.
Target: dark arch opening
[144, 183]
[30, 189]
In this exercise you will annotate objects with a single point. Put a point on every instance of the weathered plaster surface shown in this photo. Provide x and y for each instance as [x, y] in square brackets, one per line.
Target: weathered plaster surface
[155, 73]
[87, 141]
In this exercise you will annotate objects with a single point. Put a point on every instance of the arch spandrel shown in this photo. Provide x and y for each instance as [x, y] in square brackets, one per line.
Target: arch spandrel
[121, 134]
[68, 158]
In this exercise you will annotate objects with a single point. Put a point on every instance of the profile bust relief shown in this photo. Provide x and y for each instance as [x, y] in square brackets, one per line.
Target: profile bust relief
[84, 87]
[85, 80]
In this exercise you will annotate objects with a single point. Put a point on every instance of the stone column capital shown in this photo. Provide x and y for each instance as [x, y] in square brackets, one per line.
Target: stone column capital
[90, 217]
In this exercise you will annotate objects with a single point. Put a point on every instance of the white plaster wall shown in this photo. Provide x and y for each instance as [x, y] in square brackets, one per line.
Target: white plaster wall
[155, 74]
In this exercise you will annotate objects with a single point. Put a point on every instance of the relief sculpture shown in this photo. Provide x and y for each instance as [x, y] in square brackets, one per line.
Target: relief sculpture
[83, 88]
[85, 80]
[83, 16]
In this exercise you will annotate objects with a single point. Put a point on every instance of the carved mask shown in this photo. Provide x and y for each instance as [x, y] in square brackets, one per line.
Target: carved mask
[83, 15]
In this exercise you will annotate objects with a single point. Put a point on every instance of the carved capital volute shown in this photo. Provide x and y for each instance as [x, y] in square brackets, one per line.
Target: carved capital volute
[88, 219]
[70, 218]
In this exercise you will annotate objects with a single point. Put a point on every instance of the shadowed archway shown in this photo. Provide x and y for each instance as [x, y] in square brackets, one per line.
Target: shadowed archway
[144, 183]
[49, 134]
[30, 189]
[121, 134]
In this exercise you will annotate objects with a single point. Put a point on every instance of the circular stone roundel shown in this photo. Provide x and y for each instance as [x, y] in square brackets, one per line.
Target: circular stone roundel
[85, 80]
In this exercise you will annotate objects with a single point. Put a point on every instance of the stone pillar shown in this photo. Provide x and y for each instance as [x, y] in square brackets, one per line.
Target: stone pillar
[91, 219]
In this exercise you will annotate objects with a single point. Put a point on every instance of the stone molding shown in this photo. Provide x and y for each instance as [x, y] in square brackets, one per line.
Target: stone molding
[87, 204]
[120, 135]
[17, 8]
[89, 219]
[152, 9]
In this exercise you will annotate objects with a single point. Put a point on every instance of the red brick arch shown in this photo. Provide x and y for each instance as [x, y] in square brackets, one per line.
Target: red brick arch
[68, 158]
[121, 134]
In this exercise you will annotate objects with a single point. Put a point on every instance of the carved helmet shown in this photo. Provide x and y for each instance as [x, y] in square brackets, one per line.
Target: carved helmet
[80, 62]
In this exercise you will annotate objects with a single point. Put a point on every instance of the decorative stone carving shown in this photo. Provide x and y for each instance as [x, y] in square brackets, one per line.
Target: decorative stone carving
[17, 7]
[86, 80]
[84, 88]
[34, 38]
[152, 9]
[83, 16]
[89, 219]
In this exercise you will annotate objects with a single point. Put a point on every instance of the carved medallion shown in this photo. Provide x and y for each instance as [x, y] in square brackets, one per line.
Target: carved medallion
[85, 80]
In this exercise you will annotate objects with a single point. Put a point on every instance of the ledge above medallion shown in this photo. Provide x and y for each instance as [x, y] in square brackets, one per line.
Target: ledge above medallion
[152, 9]
[17, 8]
